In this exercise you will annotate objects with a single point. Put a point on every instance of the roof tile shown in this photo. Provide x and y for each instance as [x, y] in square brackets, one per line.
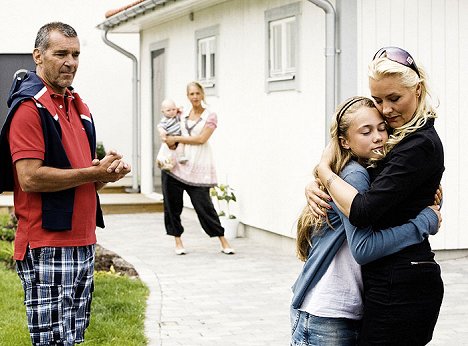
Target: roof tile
[110, 13]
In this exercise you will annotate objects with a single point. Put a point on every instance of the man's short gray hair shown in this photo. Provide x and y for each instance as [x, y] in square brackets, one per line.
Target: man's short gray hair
[42, 38]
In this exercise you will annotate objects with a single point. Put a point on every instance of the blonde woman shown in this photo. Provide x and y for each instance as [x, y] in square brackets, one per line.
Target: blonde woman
[196, 176]
[327, 305]
[403, 291]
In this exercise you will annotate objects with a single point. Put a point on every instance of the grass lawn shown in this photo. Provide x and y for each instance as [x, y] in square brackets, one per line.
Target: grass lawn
[117, 316]
[13, 327]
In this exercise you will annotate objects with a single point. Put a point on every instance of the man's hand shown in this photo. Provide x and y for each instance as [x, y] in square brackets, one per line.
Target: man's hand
[111, 168]
[112, 161]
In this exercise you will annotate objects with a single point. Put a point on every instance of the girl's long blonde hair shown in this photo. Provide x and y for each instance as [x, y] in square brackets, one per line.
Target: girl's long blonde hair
[308, 225]
[384, 67]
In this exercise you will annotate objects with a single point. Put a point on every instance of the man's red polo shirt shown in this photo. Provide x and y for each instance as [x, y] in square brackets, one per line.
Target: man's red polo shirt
[27, 142]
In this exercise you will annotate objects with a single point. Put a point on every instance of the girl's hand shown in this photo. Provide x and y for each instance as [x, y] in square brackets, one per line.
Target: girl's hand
[436, 210]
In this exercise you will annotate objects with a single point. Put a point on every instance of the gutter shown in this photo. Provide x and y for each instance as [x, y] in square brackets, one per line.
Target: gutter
[143, 14]
[330, 61]
[131, 13]
[135, 116]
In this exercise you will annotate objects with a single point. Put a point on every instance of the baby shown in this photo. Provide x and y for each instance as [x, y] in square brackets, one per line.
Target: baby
[169, 126]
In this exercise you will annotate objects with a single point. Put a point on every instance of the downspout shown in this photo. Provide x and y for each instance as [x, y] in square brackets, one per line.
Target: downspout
[135, 143]
[330, 61]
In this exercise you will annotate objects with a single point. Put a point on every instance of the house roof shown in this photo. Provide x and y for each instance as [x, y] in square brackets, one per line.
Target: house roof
[141, 14]
[124, 15]
[110, 13]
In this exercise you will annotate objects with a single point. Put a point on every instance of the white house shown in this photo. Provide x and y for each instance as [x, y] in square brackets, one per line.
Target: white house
[268, 67]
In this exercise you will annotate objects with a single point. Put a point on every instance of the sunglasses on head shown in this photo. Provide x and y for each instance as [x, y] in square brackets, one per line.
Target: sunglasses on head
[398, 55]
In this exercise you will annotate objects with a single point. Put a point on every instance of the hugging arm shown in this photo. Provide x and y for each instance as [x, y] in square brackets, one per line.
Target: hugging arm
[368, 245]
[399, 178]
[340, 191]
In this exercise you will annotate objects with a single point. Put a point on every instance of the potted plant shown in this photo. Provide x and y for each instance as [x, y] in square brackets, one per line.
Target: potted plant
[224, 195]
[100, 150]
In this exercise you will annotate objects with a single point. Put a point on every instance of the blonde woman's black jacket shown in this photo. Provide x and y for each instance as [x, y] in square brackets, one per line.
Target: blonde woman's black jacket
[403, 184]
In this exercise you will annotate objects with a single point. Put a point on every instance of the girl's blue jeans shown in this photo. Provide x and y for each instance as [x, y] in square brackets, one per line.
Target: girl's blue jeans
[308, 330]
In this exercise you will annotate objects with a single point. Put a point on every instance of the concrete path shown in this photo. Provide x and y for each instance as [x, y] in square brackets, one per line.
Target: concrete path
[208, 298]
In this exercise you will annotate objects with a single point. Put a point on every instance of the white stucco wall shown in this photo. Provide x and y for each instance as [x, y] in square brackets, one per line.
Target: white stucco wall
[436, 34]
[104, 76]
[265, 144]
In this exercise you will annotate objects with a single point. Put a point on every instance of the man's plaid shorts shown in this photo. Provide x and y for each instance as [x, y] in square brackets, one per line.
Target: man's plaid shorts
[58, 285]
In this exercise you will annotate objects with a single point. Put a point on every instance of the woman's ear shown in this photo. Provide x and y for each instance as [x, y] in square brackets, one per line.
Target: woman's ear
[344, 142]
[418, 90]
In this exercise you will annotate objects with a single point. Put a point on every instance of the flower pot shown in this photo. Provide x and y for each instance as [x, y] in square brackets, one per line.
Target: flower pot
[230, 227]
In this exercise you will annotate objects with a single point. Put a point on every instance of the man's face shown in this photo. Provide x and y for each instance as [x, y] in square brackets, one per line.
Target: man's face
[57, 65]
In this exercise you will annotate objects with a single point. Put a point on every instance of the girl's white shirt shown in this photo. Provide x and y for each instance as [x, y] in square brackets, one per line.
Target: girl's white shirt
[338, 294]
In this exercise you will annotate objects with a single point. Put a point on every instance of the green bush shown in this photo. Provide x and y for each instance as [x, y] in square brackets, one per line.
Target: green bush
[8, 224]
[6, 253]
[100, 150]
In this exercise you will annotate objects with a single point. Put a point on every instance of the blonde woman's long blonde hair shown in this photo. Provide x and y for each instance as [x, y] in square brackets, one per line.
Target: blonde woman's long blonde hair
[384, 67]
[308, 225]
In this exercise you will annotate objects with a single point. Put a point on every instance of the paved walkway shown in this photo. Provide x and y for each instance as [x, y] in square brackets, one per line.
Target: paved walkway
[208, 298]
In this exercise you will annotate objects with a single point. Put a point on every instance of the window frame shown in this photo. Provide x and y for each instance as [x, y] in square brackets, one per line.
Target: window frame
[206, 35]
[286, 78]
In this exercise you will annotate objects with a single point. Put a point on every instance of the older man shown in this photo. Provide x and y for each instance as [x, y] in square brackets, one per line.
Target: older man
[47, 157]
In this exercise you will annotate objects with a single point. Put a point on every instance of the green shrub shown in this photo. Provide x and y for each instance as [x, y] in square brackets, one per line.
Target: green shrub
[8, 225]
[7, 250]
[100, 150]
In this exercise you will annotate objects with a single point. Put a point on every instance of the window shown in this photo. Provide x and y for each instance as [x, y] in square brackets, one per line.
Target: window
[206, 60]
[282, 26]
[283, 48]
[206, 64]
